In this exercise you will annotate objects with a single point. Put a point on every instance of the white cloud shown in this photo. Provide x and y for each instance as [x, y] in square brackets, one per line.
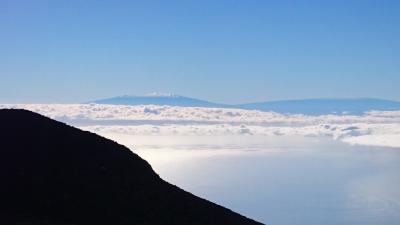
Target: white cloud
[380, 128]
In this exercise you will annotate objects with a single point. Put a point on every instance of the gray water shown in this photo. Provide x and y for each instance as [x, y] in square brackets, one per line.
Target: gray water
[313, 182]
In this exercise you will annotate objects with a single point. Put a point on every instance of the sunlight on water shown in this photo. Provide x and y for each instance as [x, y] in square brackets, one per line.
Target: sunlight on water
[284, 180]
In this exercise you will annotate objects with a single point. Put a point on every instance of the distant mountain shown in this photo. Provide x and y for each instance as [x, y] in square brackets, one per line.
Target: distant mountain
[354, 106]
[52, 173]
[324, 106]
[159, 99]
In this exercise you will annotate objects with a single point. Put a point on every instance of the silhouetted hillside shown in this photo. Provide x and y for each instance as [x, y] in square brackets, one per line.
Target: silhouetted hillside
[52, 173]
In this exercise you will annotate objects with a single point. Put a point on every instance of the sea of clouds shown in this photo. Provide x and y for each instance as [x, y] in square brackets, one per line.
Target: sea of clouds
[376, 128]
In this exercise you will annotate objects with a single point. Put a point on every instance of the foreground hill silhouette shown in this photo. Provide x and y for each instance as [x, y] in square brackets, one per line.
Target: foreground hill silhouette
[52, 173]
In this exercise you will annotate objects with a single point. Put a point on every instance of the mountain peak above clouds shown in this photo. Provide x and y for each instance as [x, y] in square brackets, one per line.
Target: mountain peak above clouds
[152, 94]
[320, 106]
[162, 94]
[157, 98]
[340, 106]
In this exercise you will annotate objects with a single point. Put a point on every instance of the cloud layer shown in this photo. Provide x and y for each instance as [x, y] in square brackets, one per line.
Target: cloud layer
[379, 128]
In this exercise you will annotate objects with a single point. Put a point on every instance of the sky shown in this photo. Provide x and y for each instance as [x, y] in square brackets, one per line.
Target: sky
[222, 51]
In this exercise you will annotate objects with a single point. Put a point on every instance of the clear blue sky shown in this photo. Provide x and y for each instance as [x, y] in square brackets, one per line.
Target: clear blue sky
[223, 51]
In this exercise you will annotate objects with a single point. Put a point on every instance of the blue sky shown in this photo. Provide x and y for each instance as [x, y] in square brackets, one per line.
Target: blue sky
[223, 51]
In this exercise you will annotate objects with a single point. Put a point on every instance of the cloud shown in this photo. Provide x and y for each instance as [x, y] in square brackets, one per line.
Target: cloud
[380, 128]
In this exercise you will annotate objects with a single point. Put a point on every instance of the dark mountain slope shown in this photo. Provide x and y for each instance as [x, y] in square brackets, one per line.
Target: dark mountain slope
[52, 173]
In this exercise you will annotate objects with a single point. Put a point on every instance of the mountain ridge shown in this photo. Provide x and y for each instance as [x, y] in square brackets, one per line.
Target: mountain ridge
[319, 106]
[170, 99]
[53, 173]
[314, 106]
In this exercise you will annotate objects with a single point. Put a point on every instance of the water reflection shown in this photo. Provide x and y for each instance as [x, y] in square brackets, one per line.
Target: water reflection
[283, 181]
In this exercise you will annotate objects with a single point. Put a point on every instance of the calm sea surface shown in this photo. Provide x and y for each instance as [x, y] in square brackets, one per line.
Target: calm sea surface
[282, 181]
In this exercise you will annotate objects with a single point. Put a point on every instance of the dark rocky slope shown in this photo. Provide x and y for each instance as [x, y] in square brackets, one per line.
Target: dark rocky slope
[52, 173]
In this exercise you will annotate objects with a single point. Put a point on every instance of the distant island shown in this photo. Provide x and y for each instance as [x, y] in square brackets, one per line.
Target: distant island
[52, 173]
[355, 106]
